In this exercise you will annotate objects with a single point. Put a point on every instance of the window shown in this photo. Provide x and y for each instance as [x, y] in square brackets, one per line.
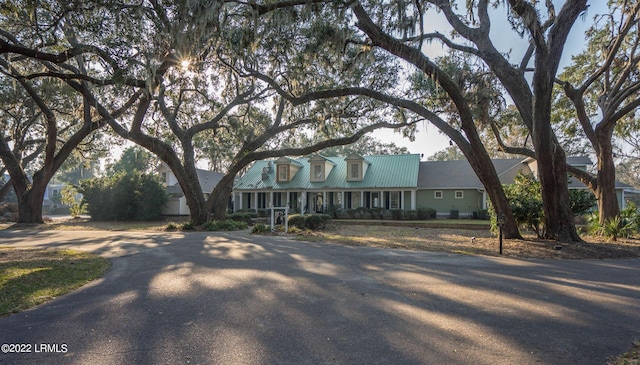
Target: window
[318, 175]
[394, 200]
[354, 169]
[164, 177]
[459, 194]
[283, 172]
[437, 194]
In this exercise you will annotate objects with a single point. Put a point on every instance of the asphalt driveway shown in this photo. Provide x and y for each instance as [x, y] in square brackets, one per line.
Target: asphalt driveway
[234, 298]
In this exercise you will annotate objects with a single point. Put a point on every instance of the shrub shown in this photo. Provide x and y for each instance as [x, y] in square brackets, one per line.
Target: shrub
[613, 228]
[187, 226]
[260, 228]
[361, 211]
[411, 214]
[377, 213]
[396, 214]
[351, 213]
[483, 214]
[581, 201]
[314, 221]
[241, 217]
[426, 213]
[263, 213]
[297, 220]
[225, 225]
[124, 196]
[334, 210]
[171, 227]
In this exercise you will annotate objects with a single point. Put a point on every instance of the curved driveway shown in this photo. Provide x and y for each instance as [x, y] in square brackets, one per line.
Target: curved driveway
[234, 298]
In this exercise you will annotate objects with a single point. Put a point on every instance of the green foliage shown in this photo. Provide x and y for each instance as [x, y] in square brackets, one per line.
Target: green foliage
[316, 221]
[242, 217]
[297, 220]
[310, 221]
[525, 199]
[334, 210]
[411, 214]
[68, 198]
[260, 228]
[187, 226]
[361, 211]
[426, 213]
[225, 225]
[124, 196]
[376, 213]
[613, 228]
[397, 214]
[581, 201]
[134, 159]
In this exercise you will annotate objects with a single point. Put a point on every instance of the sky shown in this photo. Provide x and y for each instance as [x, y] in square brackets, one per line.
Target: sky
[428, 139]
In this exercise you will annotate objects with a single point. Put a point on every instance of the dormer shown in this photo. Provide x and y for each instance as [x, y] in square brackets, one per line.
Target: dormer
[356, 167]
[286, 169]
[320, 168]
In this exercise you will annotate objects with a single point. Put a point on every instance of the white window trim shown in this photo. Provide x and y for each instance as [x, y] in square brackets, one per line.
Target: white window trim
[435, 194]
[286, 167]
[455, 194]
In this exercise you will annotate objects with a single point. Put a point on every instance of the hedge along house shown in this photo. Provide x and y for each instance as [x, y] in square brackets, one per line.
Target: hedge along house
[312, 184]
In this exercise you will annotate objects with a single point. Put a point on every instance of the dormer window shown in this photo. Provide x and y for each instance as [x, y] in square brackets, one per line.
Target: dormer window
[286, 169]
[317, 172]
[320, 168]
[283, 173]
[356, 167]
[354, 171]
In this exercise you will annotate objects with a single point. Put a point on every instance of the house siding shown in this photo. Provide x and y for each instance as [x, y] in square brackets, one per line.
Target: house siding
[470, 202]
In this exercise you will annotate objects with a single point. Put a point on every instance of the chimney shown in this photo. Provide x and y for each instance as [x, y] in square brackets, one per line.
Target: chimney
[270, 164]
[265, 173]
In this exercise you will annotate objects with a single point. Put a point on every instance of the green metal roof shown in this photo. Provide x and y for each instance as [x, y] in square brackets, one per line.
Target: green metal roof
[384, 171]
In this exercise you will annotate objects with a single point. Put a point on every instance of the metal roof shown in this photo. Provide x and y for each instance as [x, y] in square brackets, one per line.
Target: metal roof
[459, 174]
[384, 171]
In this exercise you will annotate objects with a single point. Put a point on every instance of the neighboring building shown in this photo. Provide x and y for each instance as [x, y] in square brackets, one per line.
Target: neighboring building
[177, 204]
[388, 181]
[52, 197]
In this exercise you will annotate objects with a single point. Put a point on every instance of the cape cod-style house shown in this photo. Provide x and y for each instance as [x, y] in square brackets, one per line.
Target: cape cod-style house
[311, 184]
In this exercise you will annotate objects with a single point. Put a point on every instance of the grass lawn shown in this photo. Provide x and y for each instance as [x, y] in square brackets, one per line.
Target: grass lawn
[29, 277]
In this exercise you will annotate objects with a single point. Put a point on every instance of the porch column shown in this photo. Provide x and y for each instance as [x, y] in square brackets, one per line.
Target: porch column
[288, 198]
[401, 198]
[239, 202]
[324, 200]
[255, 204]
[413, 200]
[270, 199]
[362, 204]
[381, 201]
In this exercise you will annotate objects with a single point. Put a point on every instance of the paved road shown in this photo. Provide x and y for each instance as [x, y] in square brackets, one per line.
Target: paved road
[239, 299]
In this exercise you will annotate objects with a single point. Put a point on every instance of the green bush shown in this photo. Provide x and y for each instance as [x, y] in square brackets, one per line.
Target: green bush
[260, 228]
[397, 214]
[225, 225]
[581, 201]
[241, 217]
[297, 220]
[124, 196]
[334, 210]
[426, 213]
[411, 214]
[351, 213]
[187, 226]
[314, 221]
[361, 211]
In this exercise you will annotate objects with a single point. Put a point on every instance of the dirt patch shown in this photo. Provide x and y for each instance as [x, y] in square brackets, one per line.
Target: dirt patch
[476, 242]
